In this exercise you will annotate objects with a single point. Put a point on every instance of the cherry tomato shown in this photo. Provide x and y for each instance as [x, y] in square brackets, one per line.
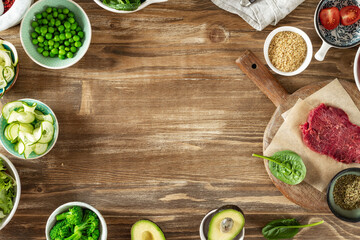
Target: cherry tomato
[330, 17]
[349, 15]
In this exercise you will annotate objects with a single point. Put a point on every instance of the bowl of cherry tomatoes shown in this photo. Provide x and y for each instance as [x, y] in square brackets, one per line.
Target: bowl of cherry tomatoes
[337, 24]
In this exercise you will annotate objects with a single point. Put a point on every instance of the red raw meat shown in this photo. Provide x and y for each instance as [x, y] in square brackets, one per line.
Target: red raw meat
[329, 131]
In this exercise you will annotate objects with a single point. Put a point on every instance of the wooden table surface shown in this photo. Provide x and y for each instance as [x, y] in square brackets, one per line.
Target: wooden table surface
[157, 122]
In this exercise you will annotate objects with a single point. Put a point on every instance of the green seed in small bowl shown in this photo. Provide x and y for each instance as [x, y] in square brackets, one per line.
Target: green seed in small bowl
[42, 52]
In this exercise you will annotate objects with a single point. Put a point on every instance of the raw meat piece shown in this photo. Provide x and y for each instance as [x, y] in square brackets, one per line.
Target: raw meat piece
[329, 131]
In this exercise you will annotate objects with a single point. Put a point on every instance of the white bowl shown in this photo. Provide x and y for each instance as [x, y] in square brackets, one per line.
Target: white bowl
[206, 221]
[142, 6]
[14, 15]
[357, 69]
[309, 53]
[12, 170]
[63, 208]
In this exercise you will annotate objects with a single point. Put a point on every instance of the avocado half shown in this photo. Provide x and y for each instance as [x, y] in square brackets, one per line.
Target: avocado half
[217, 232]
[146, 230]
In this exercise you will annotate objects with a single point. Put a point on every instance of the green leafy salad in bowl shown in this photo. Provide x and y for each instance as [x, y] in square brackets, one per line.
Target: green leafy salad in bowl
[124, 5]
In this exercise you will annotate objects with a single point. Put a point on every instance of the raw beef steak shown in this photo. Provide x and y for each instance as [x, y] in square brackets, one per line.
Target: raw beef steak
[329, 131]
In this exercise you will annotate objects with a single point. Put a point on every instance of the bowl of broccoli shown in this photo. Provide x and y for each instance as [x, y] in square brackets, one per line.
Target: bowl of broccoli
[126, 6]
[76, 220]
[10, 190]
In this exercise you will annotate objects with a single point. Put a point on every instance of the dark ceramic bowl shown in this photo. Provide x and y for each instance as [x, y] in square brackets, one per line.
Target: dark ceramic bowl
[346, 215]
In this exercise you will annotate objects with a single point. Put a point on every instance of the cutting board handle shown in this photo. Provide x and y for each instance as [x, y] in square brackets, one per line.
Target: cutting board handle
[262, 77]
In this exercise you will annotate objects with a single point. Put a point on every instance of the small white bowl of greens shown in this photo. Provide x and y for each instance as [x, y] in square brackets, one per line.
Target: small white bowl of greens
[10, 190]
[29, 128]
[125, 6]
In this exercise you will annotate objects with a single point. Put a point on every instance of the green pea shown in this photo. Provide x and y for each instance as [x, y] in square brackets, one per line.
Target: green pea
[68, 30]
[49, 17]
[37, 29]
[67, 24]
[49, 10]
[46, 48]
[41, 45]
[45, 53]
[34, 24]
[51, 42]
[40, 50]
[66, 43]
[60, 10]
[76, 38]
[51, 47]
[44, 14]
[61, 28]
[45, 21]
[52, 22]
[70, 55]
[62, 47]
[73, 33]
[81, 34]
[71, 40]
[71, 20]
[78, 29]
[62, 52]
[78, 44]
[56, 38]
[48, 36]
[56, 45]
[57, 23]
[62, 56]
[61, 16]
[51, 30]
[68, 35]
[73, 26]
[40, 39]
[38, 16]
[34, 35]
[35, 41]
[55, 14]
[71, 15]
[52, 55]
[62, 36]
[73, 49]
[46, 43]
[55, 51]
[54, 9]
[67, 49]
[43, 29]
[66, 11]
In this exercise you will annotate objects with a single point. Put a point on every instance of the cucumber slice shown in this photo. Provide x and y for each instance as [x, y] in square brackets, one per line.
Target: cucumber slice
[47, 132]
[26, 127]
[44, 117]
[6, 132]
[3, 83]
[9, 107]
[30, 138]
[20, 146]
[40, 148]
[28, 150]
[8, 74]
[37, 112]
[29, 109]
[14, 131]
[22, 117]
[6, 59]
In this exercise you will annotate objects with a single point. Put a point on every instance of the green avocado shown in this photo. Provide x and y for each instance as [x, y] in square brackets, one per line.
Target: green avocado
[226, 225]
[146, 230]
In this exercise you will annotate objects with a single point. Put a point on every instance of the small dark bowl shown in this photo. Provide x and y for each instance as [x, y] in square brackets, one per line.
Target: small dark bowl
[345, 215]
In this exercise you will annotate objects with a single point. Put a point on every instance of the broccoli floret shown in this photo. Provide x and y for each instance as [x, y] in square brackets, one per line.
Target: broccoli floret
[60, 230]
[73, 216]
[90, 223]
[76, 236]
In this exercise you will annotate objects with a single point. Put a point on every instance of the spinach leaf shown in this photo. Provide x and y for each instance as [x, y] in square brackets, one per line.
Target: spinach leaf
[286, 166]
[125, 5]
[284, 228]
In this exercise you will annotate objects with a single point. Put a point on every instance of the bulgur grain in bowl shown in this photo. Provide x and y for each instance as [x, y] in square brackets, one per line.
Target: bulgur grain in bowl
[288, 51]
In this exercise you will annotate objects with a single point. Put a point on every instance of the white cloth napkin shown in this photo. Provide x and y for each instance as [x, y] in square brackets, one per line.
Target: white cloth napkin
[260, 13]
[15, 14]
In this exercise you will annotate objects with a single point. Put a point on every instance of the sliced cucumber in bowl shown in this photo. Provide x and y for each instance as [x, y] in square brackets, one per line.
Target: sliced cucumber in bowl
[30, 130]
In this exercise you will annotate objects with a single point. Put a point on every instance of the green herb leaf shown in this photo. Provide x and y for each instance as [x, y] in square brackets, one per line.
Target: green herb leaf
[286, 166]
[7, 192]
[124, 5]
[284, 228]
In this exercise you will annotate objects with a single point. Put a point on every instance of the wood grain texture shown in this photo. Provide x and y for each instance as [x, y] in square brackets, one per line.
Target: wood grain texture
[157, 121]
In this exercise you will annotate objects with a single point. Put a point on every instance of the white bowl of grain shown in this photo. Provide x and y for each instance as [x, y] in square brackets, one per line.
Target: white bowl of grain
[288, 51]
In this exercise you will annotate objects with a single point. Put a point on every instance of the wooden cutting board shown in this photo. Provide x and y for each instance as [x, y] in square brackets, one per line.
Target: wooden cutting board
[302, 194]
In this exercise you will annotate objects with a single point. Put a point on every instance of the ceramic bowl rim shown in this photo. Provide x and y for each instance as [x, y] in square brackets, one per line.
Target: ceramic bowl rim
[55, 137]
[332, 181]
[317, 28]
[309, 53]
[86, 47]
[18, 191]
[58, 210]
[356, 68]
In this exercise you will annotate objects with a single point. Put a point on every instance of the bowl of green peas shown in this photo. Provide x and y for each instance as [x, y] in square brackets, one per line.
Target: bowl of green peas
[55, 34]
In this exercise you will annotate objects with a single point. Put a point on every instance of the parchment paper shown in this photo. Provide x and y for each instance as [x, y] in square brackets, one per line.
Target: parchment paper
[320, 168]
